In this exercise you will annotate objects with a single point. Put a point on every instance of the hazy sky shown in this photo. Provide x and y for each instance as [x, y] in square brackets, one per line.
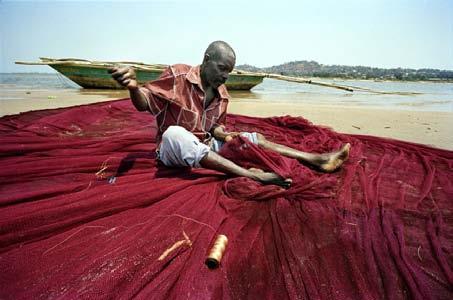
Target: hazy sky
[378, 33]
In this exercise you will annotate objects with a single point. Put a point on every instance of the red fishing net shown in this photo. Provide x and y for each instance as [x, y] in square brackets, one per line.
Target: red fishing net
[86, 212]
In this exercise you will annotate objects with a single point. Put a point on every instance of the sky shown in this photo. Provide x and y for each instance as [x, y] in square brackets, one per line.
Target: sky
[376, 33]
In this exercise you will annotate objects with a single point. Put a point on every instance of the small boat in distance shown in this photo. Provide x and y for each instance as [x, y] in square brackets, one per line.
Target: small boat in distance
[94, 74]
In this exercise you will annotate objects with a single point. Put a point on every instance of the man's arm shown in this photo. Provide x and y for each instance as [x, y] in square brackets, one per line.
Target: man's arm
[127, 78]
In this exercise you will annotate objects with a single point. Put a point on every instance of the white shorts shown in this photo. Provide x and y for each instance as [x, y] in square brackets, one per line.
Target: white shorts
[181, 148]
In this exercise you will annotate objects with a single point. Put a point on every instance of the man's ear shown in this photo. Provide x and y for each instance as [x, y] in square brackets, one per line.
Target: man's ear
[206, 58]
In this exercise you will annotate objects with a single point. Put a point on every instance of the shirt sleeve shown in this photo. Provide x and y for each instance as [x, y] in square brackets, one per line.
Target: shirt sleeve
[159, 91]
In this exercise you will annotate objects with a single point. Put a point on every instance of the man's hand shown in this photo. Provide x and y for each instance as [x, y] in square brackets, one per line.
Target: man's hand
[125, 76]
[221, 135]
[230, 135]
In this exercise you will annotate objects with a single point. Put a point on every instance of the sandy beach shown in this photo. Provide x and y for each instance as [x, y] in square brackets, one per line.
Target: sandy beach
[430, 128]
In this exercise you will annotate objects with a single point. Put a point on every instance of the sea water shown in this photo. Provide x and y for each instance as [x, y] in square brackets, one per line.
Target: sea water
[420, 96]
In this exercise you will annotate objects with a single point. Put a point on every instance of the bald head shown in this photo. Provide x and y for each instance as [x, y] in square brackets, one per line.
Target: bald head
[218, 50]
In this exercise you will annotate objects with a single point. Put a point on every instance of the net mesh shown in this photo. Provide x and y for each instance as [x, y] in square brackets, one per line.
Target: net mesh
[86, 212]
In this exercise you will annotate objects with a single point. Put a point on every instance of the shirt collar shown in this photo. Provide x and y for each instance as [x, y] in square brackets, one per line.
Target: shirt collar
[194, 77]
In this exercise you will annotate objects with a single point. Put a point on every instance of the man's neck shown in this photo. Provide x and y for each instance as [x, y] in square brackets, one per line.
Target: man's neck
[209, 95]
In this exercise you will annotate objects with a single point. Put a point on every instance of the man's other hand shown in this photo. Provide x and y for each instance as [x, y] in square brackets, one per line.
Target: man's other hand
[231, 135]
[125, 76]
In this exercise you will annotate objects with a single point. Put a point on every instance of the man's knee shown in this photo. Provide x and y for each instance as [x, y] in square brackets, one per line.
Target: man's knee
[174, 133]
[261, 138]
[180, 148]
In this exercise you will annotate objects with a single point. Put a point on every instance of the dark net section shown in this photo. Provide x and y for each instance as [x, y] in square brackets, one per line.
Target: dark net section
[86, 212]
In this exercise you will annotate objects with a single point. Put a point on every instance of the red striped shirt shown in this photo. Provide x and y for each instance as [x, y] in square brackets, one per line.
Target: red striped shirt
[177, 98]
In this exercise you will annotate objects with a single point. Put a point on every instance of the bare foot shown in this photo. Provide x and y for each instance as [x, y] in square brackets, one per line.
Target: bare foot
[329, 162]
[270, 178]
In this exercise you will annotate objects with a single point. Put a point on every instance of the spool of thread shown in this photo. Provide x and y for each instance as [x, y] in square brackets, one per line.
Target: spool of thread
[216, 253]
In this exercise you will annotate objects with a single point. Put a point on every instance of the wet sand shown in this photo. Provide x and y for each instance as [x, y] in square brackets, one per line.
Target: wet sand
[431, 128]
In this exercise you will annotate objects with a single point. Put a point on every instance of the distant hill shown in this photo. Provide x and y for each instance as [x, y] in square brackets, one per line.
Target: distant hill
[305, 68]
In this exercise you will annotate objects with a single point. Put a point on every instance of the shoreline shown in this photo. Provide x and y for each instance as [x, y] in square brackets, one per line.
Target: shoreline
[424, 127]
[302, 77]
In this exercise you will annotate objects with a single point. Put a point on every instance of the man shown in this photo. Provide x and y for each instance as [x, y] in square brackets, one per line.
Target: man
[190, 107]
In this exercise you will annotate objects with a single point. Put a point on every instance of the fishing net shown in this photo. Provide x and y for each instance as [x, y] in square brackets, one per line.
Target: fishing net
[86, 212]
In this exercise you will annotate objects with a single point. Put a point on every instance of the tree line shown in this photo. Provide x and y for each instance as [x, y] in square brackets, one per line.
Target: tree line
[305, 68]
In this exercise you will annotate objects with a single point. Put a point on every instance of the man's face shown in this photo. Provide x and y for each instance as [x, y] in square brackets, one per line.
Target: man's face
[216, 69]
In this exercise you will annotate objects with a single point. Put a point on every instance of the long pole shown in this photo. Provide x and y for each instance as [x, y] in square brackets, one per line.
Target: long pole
[336, 86]
[296, 79]
[308, 81]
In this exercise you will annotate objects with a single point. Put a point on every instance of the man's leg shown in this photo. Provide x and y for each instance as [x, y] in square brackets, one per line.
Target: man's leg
[180, 148]
[327, 162]
[216, 162]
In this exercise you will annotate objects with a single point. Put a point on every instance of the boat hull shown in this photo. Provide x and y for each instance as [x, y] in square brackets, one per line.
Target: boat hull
[97, 77]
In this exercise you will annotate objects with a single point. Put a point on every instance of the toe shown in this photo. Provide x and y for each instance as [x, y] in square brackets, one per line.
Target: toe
[346, 147]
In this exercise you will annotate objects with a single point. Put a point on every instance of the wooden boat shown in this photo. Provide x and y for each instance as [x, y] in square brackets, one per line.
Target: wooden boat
[94, 74]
